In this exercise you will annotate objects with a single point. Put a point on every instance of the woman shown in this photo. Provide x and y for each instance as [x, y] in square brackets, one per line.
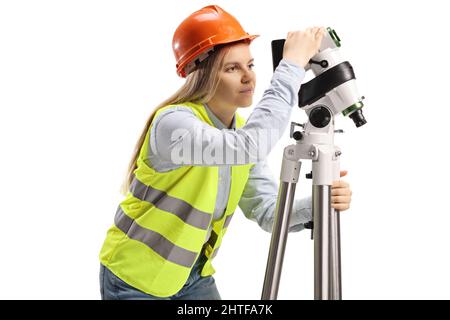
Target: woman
[197, 160]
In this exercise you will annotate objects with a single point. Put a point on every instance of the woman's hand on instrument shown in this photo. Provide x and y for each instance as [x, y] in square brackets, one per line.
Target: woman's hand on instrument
[300, 46]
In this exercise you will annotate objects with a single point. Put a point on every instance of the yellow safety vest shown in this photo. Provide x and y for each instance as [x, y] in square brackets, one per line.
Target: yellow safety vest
[161, 226]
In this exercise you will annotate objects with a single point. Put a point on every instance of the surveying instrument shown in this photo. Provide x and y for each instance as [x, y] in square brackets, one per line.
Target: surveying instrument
[332, 91]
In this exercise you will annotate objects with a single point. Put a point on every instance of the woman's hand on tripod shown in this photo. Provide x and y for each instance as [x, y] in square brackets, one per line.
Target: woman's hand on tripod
[341, 194]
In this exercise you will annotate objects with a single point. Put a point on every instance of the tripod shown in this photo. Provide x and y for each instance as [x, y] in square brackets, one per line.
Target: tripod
[331, 92]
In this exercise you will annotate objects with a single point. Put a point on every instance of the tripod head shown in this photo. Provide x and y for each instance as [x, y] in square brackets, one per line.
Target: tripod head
[333, 90]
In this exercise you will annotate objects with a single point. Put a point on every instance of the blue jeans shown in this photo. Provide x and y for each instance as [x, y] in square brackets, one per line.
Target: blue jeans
[195, 288]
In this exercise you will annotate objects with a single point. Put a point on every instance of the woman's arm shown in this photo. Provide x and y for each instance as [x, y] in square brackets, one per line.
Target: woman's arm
[177, 133]
[259, 199]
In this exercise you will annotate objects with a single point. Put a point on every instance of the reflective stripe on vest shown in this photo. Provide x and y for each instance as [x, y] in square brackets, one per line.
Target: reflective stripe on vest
[163, 201]
[227, 220]
[154, 240]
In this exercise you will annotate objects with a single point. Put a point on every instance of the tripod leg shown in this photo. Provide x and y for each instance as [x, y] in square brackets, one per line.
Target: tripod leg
[323, 175]
[327, 259]
[321, 210]
[335, 244]
[289, 176]
[335, 256]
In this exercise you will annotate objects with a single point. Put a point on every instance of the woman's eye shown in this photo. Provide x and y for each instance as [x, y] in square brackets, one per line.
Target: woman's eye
[235, 67]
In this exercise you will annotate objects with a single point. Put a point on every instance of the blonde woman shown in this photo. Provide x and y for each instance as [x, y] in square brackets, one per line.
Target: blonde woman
[197, 160]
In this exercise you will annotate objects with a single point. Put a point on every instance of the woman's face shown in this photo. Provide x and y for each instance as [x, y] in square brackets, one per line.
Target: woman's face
[237, 78]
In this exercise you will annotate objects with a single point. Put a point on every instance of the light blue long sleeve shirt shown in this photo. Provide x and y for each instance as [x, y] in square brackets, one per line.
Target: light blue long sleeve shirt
[259, 197]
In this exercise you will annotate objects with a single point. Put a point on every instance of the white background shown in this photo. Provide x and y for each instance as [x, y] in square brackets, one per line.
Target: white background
[78, 80]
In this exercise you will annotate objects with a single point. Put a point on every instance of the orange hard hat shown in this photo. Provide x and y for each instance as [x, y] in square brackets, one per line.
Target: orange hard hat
[196, 36]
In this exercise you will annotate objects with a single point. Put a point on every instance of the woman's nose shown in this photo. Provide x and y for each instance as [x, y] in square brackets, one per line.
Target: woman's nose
[247, 77]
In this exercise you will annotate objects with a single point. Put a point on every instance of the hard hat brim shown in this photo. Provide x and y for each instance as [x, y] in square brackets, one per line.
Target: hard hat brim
[191, 57]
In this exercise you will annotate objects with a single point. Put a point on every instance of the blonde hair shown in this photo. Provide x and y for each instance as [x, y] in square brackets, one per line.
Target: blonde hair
[200, 86]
